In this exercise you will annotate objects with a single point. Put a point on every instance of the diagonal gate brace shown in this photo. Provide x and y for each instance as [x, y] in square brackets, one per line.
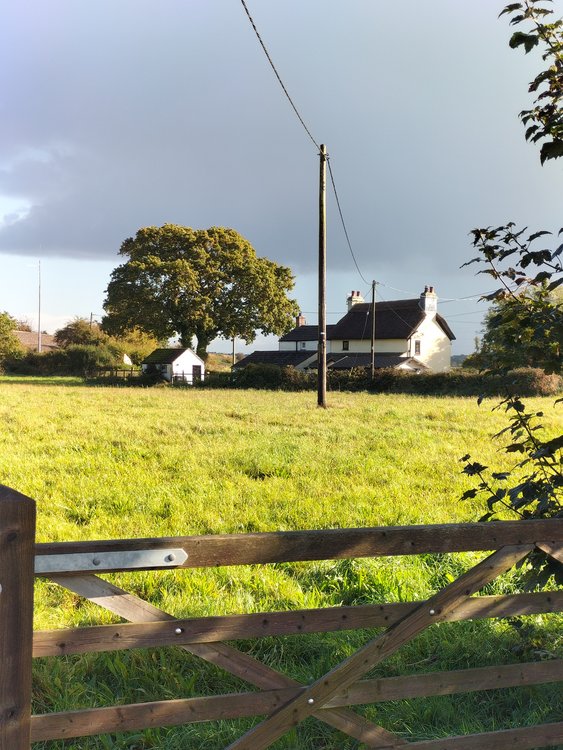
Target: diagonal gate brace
[350, 670]
[134, 609]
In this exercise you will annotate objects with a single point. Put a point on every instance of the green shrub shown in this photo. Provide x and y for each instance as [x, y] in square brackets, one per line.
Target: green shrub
[77, 359]
[527, 381]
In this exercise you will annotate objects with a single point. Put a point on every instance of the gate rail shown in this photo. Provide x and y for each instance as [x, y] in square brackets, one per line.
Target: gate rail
[283, 701]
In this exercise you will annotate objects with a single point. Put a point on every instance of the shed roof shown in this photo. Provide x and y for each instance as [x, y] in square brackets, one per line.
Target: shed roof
[281, 359]
[349, 361]
[165, 356]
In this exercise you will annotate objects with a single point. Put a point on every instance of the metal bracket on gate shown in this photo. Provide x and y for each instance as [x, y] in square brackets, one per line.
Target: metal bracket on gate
[86, 562]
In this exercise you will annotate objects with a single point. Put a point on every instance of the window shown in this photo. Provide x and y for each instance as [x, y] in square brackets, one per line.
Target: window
[416, 348]
[303, 344]
[345, 346]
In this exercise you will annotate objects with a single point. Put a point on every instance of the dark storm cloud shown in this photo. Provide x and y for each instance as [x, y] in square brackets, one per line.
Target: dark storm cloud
[115, 116]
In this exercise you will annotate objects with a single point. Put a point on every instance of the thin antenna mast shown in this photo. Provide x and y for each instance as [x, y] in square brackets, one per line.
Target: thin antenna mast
[39, 348]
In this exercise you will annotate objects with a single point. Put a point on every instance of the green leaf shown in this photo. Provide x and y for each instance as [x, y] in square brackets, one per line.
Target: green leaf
[469, 494]
[535, 235]
[528, 40]
[551, 150]
[510, 8]
[486, 517]
[473, 469]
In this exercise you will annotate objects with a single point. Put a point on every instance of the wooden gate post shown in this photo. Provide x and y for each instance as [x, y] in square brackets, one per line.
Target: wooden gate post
[17, 556]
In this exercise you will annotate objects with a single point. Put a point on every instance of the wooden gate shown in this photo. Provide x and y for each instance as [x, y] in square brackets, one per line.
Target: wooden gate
[282, 701]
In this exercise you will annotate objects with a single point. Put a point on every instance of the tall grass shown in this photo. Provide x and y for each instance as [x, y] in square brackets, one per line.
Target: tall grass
[110, 463]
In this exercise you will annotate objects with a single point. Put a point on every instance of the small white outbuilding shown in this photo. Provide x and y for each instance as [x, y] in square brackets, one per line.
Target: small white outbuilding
[175, 365]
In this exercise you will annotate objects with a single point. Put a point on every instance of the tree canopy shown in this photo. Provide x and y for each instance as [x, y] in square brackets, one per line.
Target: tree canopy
[522, 331]
[9, 344]
[187, 282]
[79, 331]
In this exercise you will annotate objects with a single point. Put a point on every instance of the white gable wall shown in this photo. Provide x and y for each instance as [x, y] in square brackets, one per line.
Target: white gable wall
[435, 346]
[184, 365]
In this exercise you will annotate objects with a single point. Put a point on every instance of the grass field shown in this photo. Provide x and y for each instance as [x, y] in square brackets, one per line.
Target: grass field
[110, 462]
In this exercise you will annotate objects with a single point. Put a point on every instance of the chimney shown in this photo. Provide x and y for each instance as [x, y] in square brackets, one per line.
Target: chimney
[354, 298]
[429, 300]
[300, 321]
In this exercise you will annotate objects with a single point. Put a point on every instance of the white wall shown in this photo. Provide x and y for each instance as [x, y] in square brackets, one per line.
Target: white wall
[382, 346]
[435, 346]
[185, 363]
[297, 346]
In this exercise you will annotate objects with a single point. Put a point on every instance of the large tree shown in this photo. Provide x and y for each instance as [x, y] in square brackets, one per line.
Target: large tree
[187, 282]
[522, 330]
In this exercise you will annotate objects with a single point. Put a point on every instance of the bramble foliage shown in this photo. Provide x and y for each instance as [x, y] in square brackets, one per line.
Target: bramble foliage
[545, 120]
[529, 278]
[525, 323]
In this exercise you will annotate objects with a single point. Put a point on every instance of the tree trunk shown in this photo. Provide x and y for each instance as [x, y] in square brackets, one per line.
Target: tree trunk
[202, 344]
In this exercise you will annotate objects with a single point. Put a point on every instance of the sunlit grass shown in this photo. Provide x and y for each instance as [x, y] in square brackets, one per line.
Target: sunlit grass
[111, 463]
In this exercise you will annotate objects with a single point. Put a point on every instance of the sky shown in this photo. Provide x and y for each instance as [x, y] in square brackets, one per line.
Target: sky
[119, 115]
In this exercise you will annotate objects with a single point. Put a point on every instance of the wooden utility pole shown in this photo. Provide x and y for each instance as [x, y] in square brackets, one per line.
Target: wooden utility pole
[373, 330]
[321, 358]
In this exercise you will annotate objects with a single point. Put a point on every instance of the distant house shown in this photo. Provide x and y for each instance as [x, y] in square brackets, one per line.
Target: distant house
[409, 335]
[29, 341]
[181, 365]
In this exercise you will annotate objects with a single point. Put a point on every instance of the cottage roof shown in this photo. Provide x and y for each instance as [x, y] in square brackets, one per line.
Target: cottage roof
[396, 319]
[348, 361]
[305, 333]
[28, 339]
[164, 356]
[281, 359]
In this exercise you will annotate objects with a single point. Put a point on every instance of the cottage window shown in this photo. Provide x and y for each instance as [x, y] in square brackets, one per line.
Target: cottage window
[303, 344]
[416, 348]
[345, 346]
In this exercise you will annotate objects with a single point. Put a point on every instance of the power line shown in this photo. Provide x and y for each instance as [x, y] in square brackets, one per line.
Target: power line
[344, 224]
[403, 291]
[392, 309]
[301, 120]
[285, 91]
[457, 315]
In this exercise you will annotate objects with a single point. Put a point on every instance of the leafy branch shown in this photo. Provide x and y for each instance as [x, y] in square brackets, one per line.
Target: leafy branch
[527, 300]
[545, 120]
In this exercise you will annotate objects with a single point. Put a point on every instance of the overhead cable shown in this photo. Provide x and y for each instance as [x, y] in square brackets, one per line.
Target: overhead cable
[344, 224]
[301, 120]
[285, 91]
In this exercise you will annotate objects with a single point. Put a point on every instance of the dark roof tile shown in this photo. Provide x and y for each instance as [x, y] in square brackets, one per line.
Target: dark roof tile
[305, 333]
[163, 356]
[281, 359]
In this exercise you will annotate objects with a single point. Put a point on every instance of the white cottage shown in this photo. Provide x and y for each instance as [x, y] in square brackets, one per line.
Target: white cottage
[179, 365]
[409, 335]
